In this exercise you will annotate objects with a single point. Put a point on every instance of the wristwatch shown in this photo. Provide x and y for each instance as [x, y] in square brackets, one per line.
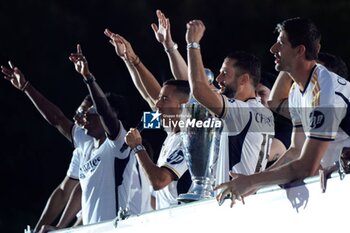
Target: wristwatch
[193, 45]
[138, 148]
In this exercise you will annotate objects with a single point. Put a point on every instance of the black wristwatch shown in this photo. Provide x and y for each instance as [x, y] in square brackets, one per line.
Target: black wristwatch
[138, 148]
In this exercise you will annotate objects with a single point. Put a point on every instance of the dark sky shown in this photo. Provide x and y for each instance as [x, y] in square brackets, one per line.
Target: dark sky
[38, 37]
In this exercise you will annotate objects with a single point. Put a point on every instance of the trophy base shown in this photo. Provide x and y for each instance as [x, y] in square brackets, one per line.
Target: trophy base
[200, 189]
[190, 197]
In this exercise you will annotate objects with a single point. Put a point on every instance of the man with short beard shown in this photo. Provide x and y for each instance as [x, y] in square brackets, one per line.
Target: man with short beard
[248, 125]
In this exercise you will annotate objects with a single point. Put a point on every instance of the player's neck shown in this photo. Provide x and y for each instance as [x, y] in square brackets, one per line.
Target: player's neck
[98, 141]
[245, 94]
[302, 72]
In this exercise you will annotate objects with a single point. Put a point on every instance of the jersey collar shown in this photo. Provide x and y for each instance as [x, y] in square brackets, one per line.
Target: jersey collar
[308, 80]
[250, 98]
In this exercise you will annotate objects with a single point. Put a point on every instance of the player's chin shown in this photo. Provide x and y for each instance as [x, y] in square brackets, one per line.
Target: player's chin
[279, 67]
[88, 131]
[222, 89]
[160, 110]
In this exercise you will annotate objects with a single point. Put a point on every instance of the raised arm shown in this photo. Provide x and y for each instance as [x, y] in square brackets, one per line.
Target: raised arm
[162, 33]
[143, 79]
[199, 84]
[51, 113]
[108, 116]
[278, 99]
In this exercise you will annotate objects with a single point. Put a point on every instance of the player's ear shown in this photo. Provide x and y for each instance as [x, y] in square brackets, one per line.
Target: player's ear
[301, 50]
[244, 78]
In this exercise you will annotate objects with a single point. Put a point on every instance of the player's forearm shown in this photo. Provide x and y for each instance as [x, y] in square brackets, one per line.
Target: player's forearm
[67, 218]
[279, 175]
[153, 172]
[290, 155]
[108, 117]
[78, 222]
[196, 74]
[72, 208]
[49, 111]
[53, 208]
[178, 65]
[305, 164]
[200, 88]
[136, 79]
[149, 82]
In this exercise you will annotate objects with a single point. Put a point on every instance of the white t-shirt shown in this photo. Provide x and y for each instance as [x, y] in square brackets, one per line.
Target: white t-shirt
[245, 139]
[172, 157]
[322, 109]
[139, 189]
[104, 174]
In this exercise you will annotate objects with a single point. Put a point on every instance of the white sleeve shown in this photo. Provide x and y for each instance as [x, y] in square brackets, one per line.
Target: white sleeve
[118, 143]
[175, 161]
[235, 115]
[73, 170]
[292, 105]
[326, 116]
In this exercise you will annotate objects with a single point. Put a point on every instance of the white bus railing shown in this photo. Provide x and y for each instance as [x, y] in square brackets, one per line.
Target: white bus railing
[300, 207]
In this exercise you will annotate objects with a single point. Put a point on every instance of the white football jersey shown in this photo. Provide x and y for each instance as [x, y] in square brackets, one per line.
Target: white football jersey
[106, 175]
[139, 194]
[245, 139]
[322, 109]
[172, 157]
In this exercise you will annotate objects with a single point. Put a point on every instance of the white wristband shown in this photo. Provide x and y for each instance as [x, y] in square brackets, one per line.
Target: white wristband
[175, 46]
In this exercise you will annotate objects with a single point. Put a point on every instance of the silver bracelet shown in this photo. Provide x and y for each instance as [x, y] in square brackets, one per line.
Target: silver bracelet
[174, 47]
[193, 45]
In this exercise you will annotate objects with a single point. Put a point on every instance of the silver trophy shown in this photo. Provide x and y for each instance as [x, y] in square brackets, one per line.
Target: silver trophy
[201, 138]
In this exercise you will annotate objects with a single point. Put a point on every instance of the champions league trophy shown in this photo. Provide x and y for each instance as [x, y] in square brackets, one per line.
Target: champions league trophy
[201, 138]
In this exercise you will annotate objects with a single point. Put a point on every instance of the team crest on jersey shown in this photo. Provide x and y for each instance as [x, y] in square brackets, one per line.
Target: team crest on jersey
[89, 167]
[231, 100]
[316, 119]
[176, 157]
[341, 81]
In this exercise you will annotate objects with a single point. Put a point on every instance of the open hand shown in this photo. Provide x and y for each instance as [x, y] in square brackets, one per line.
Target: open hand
[122, 46]
[236, 189]
[162, 31]
[15, 76]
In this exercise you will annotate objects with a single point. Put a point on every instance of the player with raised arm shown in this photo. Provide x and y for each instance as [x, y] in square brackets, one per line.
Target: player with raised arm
[170, 176]
[248, 125]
